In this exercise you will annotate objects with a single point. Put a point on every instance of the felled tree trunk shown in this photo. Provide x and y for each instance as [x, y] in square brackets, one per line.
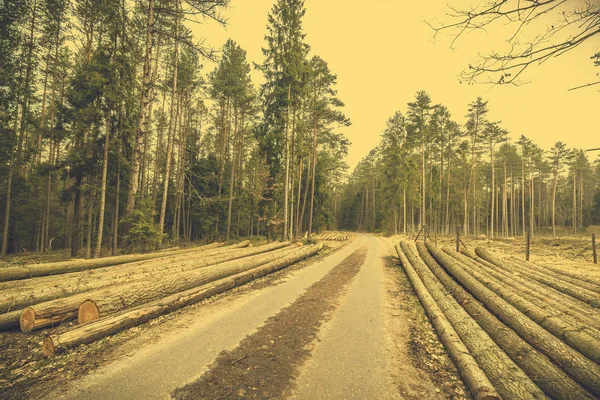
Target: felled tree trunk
[585, 371]
[50, 288]
[100, 328]
[64, 267]
[113, 299]
[568, 331]
[585, 282]
[537, 293]
[575, 291]
[475, 379]
[548, 376]
[510, 381]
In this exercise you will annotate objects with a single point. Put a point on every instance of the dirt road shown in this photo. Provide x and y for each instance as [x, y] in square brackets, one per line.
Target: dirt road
[336, 329]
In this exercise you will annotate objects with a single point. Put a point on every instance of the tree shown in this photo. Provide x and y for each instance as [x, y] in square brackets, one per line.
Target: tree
[11, 15]
[325, 112]
[283, 68]
[476, 121]
[493, 136]
[568, 26]
[205, 8]
[231, 84]
[557, 155]
[418, 129]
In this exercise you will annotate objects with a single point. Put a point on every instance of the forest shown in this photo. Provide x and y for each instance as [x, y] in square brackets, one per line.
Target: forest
[429, 170]
[114, 137]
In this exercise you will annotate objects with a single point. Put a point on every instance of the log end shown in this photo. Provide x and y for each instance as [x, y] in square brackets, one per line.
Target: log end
[27, 319]
[88, 311]
[48, 347]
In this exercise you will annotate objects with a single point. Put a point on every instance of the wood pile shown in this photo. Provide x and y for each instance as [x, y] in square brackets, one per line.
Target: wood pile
[518, 330]
[106, 299]
[334, 236]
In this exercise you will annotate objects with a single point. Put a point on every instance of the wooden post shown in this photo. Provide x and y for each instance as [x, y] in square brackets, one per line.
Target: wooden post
[528, 243]
[594, 248]
[457, 239]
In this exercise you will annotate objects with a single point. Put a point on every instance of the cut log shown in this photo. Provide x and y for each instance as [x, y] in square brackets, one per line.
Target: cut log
[475, 379]
[109, 325]
[555, 323]
[31, 271]
[577, 292]
[549, 377]
[10, 320]
[113, 299]
[510, 381]
[54, 287]
[581, 274]
[539, 294]
[581, 368]
[588, 285]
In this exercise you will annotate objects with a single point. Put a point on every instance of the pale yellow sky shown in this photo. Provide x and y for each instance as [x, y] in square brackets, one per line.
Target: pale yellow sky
[383, 53]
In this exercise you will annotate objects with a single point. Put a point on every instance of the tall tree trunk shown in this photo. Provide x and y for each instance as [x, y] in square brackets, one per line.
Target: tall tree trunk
[11, 169]
[448, 197]
[504, 205]
[523, 223]
[531, 206]
[90, 227]
[232, 178]
[581, 199]
[493, 194]
[43, 112]
[300, 170]
[291, 174]
[115, 233]
[174, 111]
[404, 210]
[286, 182]
[554, 204]
[314, 171]
[144, 107]
[574, 211]
[423, 183]
[103, 190]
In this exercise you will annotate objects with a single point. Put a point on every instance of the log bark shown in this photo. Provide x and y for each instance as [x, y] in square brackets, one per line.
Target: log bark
[581, 368]
[548, 376]
[510, 381]
[581, 274]
[52, 287]
[554, 322]
[37, 270]
[537, 293]
[584, 282]
[575, 291]
[113, 299]
[10, 320]
[475, 379]
[58, 342]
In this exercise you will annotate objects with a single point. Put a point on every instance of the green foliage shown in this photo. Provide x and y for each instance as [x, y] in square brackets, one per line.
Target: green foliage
[144, 234]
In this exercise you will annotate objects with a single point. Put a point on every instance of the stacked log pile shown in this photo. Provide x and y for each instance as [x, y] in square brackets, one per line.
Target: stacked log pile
[334, 236]
[532, 332]
[107, 298]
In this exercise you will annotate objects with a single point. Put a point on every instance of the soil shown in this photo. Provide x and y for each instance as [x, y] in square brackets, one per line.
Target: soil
[266, 362]
[423, 368]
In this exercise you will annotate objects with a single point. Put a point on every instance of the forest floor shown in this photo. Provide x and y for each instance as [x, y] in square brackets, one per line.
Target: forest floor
[345, 323]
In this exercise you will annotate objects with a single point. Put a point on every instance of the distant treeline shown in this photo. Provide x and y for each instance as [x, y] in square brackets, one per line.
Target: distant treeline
[429, 170]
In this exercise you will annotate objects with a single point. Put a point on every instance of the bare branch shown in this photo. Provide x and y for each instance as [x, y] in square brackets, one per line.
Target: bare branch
[572, 27]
